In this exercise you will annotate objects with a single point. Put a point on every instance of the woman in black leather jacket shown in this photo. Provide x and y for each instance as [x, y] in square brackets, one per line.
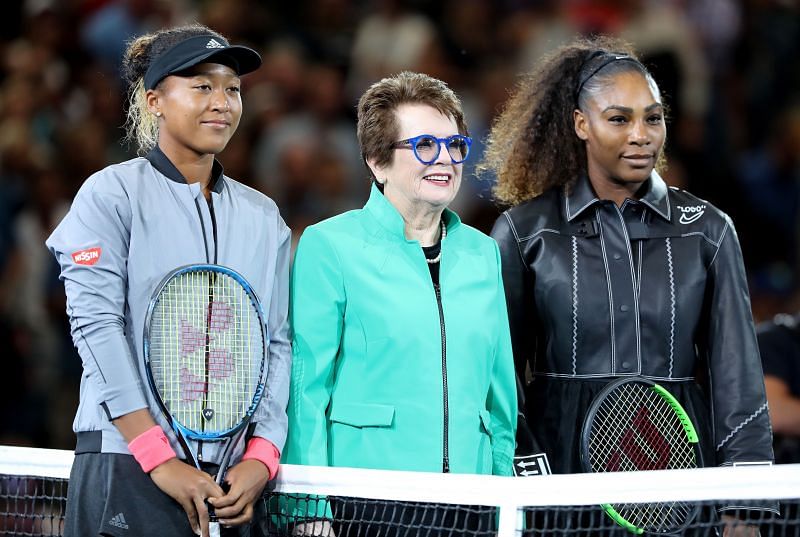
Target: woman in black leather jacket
[608, 272]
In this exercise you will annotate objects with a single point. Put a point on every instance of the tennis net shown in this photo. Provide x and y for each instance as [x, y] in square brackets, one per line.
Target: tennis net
[347, 501]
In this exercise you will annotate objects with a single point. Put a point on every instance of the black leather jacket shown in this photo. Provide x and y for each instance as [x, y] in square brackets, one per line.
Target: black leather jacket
[656, 288]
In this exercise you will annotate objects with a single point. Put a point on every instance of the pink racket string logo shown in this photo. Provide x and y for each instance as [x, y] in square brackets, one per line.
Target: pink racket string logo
[220, 364]
[191, 339]
[220, 361]
[220, 317]
[192, 386]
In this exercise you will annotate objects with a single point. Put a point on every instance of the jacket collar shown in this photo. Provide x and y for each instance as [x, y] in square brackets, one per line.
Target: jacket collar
[163, 164]
[391, 221]
[655, 195]
[580, 198]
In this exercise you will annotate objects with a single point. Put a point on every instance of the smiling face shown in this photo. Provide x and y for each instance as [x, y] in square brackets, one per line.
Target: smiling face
[411, 186]
[624, 131]
[199, 110]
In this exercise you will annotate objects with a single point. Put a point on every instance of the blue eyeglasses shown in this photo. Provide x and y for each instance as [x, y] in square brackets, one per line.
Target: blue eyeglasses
[427, 147]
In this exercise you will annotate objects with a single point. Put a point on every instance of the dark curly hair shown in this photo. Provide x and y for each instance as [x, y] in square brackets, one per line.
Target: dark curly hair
[532, 146]
[141, 126]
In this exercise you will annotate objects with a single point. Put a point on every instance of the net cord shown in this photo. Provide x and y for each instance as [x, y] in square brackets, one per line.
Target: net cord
[766, 482]
[763, 482]
[509, 494]
[53, 463]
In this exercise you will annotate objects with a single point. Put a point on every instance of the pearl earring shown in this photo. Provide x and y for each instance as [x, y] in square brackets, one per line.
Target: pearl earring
[158, 114]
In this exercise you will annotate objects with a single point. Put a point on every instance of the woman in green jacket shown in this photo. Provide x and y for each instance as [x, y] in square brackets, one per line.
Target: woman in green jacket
[402, 354]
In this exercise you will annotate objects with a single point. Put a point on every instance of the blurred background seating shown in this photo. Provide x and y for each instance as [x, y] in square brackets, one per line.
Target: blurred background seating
[730, 70]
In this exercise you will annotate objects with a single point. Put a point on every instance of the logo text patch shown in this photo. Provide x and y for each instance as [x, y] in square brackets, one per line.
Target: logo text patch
[89, 256]
[691, 213]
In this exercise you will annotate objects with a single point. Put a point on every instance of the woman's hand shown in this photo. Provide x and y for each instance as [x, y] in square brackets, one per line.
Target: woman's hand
[247, 480]
[182, 482]
[317, 528]
[189, 487]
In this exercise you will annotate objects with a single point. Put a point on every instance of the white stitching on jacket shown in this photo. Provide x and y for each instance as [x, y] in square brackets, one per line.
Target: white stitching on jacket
[539, 232]
[671, 306]
[739, 427]
[703, 235]
[610, 294]
[719, 245]
[635, 294]
[574, 306]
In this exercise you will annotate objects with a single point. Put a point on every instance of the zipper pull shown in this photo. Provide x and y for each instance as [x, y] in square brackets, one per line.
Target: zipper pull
[446, 465]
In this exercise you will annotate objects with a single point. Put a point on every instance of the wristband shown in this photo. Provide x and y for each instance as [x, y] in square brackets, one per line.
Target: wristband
[264, 451]
[151, 448]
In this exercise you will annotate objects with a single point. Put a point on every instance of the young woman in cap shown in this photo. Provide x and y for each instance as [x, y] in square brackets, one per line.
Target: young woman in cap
[131, 224]
[608, 272]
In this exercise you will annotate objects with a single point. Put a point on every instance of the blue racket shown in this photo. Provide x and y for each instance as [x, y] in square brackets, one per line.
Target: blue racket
[205, 350]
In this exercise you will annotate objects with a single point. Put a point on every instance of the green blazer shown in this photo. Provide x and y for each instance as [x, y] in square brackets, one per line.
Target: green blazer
[368, 374]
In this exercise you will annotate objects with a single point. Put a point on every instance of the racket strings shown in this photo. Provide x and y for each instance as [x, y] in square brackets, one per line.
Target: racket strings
[662, 517]
[206, 350]
[636, 429]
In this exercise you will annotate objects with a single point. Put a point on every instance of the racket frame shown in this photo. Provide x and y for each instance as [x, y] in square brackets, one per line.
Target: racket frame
[681, 414]
[182, 432]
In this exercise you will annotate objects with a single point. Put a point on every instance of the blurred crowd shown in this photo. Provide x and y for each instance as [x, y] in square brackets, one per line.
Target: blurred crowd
[730, 70]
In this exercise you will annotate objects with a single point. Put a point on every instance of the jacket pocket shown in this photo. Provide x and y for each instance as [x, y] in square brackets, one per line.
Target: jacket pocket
[485, 444]
[486, 421]
[363, 414]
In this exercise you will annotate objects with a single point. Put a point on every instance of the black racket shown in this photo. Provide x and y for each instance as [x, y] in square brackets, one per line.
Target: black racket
[205, 349]
[634, 424]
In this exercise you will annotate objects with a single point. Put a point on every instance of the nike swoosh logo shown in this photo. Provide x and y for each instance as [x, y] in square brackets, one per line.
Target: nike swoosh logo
[689, 219]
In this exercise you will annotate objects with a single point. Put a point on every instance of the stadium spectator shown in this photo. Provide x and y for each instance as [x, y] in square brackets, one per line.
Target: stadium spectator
[779, 343]
[389, 38]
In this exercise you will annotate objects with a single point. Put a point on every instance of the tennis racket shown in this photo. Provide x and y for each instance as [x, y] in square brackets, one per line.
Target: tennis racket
[634, 424]
[205, 348]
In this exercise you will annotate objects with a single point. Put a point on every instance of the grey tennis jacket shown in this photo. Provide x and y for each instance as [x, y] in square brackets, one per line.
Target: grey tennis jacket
[129, 226]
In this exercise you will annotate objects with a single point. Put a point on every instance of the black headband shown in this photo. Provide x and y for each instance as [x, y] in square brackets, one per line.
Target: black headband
[608, 57]
[199, 49]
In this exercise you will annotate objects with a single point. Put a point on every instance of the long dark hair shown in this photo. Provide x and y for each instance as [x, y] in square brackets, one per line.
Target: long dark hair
[532, 146]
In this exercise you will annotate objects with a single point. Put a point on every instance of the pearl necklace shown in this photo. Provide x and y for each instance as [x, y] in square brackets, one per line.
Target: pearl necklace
[439, 255]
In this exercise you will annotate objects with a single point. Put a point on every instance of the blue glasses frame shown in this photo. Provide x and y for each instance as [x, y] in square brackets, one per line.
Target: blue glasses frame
[412, 143]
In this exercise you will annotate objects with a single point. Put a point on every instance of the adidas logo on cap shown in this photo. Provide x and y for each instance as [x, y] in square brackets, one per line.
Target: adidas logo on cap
[213, 43]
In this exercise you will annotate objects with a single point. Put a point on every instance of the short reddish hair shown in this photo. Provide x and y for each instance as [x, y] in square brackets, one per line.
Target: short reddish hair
[377, 121]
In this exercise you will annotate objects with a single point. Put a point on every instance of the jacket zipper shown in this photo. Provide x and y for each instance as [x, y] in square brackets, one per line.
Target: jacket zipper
[445, 446]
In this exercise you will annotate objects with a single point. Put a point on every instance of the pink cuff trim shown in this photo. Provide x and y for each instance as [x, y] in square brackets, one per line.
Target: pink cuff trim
[264, 451]
[151, 448]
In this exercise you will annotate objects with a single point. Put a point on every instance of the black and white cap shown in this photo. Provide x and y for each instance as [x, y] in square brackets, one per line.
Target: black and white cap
[200, 49]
